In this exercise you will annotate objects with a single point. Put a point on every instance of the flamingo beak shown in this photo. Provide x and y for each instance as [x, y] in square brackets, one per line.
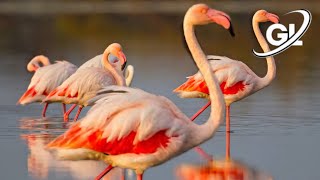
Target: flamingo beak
[222, 19]
[123, 60]
[273, 18]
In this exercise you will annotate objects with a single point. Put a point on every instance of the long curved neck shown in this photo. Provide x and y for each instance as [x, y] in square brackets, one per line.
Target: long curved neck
[271, 73]
[206, 130]
[119, 79]
[129, 74]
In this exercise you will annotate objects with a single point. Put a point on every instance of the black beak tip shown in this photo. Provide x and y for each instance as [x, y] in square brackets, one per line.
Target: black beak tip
[123, 66]
[231, 31]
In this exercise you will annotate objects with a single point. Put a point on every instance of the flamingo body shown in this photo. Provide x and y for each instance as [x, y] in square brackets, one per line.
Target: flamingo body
[154, 132]
[81, 86]
[45, 80]
[236, 80]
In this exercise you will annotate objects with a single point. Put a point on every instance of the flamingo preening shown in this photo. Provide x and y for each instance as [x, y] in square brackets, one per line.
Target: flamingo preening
[87, 81]
[236, 79]
[131, 128]
[45, 79]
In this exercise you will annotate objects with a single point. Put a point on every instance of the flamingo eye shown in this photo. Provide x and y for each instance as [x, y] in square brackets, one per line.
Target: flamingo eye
[204, 11]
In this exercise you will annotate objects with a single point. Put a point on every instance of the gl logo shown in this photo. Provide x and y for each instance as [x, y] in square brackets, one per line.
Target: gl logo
[286, 38]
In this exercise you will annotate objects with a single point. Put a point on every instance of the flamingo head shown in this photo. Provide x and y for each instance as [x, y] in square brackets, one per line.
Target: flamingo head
[264, 16]
[34, 64]
[202, 14]
[115, 49]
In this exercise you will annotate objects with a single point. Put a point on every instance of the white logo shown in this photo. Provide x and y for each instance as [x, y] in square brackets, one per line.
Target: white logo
[286, 38]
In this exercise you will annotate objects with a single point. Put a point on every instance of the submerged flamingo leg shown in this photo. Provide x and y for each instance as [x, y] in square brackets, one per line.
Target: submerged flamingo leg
[104, 172]
[200, 111]
[227, 132]
[139, 176]
[202, 153]
[64, 108]
[66, 115]
[45, 110]
[78, 113]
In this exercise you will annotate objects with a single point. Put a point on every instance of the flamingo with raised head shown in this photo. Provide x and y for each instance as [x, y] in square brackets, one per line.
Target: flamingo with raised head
[236, 79]
[45, 79]
[131, 128]
[86, 82]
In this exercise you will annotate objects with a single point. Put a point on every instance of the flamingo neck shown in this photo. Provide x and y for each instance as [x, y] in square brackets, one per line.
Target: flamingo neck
[271, 72]
[207, 130]
[129, 74]
[116, 74]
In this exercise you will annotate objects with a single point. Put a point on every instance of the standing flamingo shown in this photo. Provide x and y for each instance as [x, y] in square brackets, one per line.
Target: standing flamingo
[86, 82]
[236, 79]
[45, 79]
[131, 128]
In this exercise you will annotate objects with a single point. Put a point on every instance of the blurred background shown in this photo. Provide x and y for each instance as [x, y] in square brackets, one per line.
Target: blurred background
[275, 130]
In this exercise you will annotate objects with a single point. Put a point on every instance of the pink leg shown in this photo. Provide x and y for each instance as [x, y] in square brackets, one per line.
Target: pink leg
[78, 113]
[139, 176]
[227, 132]
[200, 111]
[64, 108]
[123, 175]
[202, 153]
[44, 110]
[66, 115]
[103, 173]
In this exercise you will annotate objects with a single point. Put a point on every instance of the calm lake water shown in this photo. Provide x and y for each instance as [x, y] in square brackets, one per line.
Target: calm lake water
[275, 130]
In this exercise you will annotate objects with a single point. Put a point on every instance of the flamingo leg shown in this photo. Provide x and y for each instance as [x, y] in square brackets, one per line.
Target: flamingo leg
[45, 110]
[104, 172]
[200, 111]
[123, 176]
[66, 115]
[227, 132]
[78, 113]
[139, 176]
[202, 153]
[64, 108]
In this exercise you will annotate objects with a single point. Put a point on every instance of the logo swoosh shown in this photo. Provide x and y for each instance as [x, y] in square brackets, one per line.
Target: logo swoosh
[307, 17]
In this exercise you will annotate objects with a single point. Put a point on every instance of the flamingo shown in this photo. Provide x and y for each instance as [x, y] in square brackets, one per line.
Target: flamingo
[133, 129]
[87, 81]
[236, 79]
[45, 79]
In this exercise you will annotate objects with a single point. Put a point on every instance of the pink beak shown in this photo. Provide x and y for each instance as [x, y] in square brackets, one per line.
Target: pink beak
[273, 18]
[221, 18]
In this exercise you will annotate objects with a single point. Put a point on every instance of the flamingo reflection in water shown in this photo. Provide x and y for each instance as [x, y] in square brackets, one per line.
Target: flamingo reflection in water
[224, 169]
[40, 161]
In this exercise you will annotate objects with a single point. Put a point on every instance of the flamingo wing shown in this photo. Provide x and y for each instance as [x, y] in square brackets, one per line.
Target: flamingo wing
[45, 80]
[124, 120]
[81, 86]
[233, 77]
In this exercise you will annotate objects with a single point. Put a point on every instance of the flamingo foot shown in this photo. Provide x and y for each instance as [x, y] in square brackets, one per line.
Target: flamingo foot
[104, 172]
